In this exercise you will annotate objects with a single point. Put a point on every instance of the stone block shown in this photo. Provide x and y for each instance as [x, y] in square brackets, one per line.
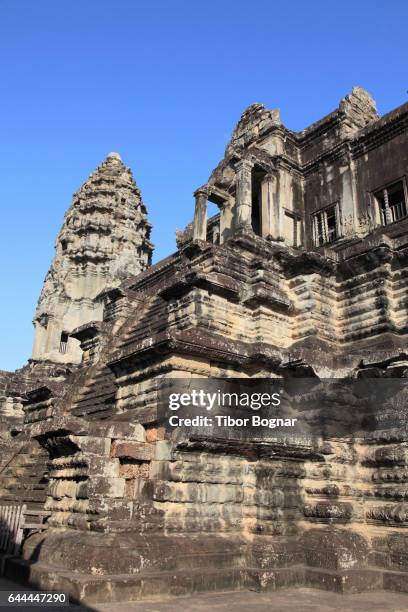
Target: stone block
[106, 487]
[120, 431]
[115, 509]
[337, 549]
[103, 466]
[129, 470]
[93, 445]
[132, 450]
[162, 450]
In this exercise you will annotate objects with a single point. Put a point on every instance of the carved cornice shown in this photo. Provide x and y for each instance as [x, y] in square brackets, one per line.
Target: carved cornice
[338, 152]
[262, 293]
[197, 342]
[379, 134]
[87, 331]
[217, 283]
[204, 190]
[245, 164]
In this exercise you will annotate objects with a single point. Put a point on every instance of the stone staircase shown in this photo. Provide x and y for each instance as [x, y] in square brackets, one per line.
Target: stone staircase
[24, 479]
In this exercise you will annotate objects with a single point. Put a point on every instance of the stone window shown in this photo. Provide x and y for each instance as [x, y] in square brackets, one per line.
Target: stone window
[63, 245]
[43, 320]
[392, 202]
[63, 342]
[326, 225]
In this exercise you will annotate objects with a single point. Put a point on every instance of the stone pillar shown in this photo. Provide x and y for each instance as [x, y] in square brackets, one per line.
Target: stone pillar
[200, 216]
[225, 221]
[269, 207]
[348, 197]
[243, 204]
[387, 213]
[267, 210]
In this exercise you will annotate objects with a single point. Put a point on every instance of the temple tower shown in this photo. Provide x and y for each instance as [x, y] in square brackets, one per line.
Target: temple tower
[104, 238]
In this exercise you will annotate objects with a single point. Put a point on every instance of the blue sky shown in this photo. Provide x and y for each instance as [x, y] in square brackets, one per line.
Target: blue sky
[162, 83]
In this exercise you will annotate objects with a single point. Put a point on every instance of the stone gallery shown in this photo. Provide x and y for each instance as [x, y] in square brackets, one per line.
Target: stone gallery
[301, 276]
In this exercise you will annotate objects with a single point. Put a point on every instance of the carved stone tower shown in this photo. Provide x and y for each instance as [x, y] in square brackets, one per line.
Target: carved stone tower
[104, 238]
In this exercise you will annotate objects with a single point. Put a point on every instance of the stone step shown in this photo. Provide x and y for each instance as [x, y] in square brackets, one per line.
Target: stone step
[26, 496]
[117, 588]
[355, 580]
[22, 461]
[35, 506]
[25, 476]
[18, 485]
[19, 463]
[35, 518]
[31, 459]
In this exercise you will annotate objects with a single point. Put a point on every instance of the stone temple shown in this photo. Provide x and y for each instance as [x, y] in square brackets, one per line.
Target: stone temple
[303, 273]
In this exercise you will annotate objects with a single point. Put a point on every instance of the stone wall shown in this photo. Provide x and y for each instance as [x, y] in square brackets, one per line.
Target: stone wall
[137, 509]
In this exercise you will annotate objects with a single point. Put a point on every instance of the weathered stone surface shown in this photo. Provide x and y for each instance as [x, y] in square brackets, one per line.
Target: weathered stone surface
[104, 238]
[132, 450]
[300, 277]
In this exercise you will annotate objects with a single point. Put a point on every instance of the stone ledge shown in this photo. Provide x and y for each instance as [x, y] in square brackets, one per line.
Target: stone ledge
[125, 587]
